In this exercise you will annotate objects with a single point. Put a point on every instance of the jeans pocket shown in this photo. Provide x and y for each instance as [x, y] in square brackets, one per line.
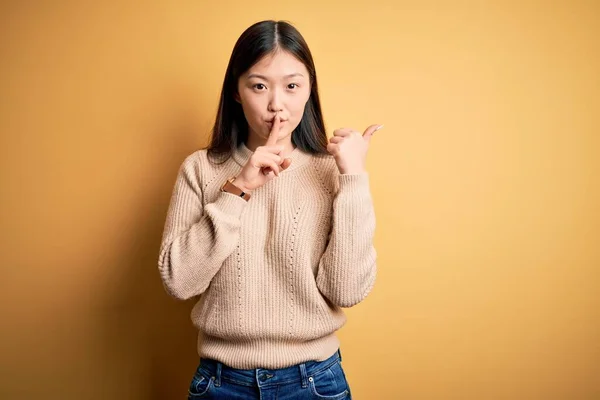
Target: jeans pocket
[200, 386]
[330, 384]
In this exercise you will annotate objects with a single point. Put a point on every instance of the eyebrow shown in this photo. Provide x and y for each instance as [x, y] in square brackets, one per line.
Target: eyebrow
[266, 79]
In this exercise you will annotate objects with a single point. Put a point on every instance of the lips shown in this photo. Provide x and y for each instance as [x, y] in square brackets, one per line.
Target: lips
[271, 121]
[270, 124]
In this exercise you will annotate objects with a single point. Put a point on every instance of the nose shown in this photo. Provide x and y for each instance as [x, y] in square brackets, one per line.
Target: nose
[275, 102]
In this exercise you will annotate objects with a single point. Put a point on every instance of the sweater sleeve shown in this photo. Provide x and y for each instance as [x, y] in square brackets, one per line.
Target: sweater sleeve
[196, 239]
[347, 268]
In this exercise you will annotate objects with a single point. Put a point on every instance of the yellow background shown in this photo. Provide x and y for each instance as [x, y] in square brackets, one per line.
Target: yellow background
[485, 180]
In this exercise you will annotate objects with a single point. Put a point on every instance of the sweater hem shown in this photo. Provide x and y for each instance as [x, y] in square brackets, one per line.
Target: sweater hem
[265, 353]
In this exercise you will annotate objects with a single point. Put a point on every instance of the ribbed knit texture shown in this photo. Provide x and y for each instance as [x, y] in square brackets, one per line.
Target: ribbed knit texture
[273, 272]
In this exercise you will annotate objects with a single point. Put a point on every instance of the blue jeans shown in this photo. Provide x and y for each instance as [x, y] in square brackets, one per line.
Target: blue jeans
[307, 381]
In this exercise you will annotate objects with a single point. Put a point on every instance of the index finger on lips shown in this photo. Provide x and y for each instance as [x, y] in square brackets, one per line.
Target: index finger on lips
[274, 134]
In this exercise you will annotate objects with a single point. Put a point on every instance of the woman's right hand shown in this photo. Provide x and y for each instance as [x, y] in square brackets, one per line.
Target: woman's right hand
[264, 164]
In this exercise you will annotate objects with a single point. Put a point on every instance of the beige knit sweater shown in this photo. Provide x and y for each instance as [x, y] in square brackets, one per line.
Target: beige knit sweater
[275, 271]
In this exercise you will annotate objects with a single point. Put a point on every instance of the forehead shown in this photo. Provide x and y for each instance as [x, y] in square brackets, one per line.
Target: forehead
[278, 64]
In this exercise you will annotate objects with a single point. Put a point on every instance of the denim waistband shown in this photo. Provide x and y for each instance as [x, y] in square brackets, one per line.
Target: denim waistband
[268, 377]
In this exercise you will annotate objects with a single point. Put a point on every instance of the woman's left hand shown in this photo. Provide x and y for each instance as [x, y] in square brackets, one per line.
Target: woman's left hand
[349, 148]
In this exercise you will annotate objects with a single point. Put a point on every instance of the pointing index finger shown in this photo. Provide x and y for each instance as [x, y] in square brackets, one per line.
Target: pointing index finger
[274, 135]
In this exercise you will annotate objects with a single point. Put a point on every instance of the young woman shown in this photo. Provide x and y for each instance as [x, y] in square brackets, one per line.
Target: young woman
[273, 226]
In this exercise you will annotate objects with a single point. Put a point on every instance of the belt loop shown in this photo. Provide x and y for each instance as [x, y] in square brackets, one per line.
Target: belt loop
[218, 373]
[304, 375]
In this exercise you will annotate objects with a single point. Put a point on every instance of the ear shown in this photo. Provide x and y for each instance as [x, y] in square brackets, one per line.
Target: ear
[236, 96]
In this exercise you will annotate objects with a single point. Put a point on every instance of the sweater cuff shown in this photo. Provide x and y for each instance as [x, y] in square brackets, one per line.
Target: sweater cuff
[230, 204]
[354, 181]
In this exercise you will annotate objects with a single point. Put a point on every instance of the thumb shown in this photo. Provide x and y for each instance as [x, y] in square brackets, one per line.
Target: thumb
[286, 163]
[370, 131]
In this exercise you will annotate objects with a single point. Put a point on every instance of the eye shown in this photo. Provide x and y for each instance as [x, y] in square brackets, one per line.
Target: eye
[259, 86]
[292, 86]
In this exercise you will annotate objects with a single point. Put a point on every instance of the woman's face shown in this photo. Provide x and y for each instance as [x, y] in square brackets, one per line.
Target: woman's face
[278, 83]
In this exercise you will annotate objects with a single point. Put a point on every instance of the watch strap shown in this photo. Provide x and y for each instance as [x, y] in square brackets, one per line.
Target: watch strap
[229, 187]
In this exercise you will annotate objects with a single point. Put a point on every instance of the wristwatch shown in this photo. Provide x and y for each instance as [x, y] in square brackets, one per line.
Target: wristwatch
[229, 187]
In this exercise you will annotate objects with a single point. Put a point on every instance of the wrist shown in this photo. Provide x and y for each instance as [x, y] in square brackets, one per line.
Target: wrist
[241, 184]
[230, 187]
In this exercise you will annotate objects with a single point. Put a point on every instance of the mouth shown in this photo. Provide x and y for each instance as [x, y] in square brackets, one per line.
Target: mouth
[269, 125]
[270, 121]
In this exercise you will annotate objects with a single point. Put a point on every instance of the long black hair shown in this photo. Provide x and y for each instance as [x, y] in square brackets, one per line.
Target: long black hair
[259, 40]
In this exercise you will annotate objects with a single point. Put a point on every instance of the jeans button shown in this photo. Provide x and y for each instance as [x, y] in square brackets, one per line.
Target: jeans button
[264, 377]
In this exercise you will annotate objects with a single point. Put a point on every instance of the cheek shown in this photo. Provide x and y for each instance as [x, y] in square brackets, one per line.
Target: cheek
[297, 108]
[298, 102]
[251, 107]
